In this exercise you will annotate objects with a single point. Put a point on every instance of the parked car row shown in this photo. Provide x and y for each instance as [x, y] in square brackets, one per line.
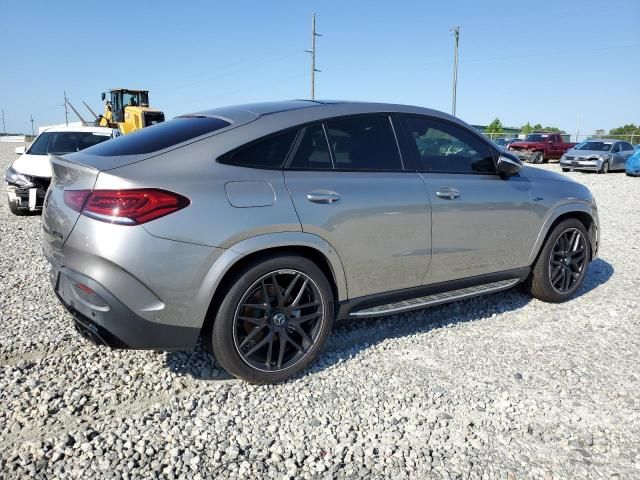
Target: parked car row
[600, 155]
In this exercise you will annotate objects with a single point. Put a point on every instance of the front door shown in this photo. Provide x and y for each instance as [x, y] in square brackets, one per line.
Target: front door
[348, 186]
[480, 221]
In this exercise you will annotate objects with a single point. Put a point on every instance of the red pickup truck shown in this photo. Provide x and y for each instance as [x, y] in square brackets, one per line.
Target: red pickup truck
[540, 147]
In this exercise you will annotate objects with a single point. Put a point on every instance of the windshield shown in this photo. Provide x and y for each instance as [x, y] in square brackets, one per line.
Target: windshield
[536, 137]
[500, 141]
[595, 146]
[59, 143]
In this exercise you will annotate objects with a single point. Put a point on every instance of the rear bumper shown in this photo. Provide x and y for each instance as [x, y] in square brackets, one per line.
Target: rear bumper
[101, 318]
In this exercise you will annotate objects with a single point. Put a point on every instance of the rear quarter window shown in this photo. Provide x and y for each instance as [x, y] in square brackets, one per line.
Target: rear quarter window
[158, 137]
[266, 153]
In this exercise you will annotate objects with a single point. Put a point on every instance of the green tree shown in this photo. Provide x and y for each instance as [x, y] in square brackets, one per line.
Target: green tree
[600, 133]
[495, 128]
[537, 126]
[526, 128]
[626, 132]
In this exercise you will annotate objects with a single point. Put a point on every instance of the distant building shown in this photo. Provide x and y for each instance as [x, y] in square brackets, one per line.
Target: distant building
[510, 132]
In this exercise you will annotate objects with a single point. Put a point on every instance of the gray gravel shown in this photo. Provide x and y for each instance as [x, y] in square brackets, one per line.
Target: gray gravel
[500, 386]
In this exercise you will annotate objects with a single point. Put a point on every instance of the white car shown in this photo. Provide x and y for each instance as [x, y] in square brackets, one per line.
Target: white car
[29, 176]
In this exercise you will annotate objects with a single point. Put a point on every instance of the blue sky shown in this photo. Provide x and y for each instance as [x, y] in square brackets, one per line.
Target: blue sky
[545, 62]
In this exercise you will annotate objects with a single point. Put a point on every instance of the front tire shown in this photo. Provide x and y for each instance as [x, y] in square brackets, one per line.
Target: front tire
[605, 168]
[539, 158]
[562, 264]
[274, 320]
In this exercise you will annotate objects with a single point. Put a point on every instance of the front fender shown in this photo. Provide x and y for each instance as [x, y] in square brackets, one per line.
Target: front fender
[264, 242]
[563, 208]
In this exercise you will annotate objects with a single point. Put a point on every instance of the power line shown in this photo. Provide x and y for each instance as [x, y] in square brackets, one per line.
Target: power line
[313, 56]
[270, 60]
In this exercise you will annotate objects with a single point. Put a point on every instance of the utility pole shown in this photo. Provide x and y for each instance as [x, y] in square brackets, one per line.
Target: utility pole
[313, 56]
[578, 129]
[4, 127]
[32, 131]
[66, 112]
[456, 36]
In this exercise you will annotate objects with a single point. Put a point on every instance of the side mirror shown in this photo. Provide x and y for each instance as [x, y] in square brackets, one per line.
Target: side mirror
[508, 164]
[104, 95]
[549, 141]
[20, 150]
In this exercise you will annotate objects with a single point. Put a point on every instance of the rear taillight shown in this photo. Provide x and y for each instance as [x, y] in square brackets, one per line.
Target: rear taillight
[125, 207]
[75, 199]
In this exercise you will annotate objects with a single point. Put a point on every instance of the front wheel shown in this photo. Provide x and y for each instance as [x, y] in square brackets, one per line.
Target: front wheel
[562, 264]
[605, 168]
[539, 158]
[274, 320]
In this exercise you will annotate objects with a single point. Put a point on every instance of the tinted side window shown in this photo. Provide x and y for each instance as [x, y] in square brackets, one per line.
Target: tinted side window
[313, 150]
[446, 148]
[626, 146]
[159, 136]
[267, 153]
[616, 148]
[364, 143]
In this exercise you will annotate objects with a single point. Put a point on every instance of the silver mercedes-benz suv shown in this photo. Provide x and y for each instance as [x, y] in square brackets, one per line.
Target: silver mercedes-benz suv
[256, 226]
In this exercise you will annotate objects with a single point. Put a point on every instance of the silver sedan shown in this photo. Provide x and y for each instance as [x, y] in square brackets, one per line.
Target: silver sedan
[597, 155]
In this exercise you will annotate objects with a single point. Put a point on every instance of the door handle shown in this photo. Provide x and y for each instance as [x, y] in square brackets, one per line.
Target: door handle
[449, 193]
[323, 196]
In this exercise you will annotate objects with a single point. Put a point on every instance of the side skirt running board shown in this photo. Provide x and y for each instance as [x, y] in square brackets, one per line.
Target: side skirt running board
[434, 299]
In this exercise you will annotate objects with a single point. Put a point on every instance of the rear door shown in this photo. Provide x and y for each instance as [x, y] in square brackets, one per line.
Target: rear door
[617, 158]
[555, 147]
[480, 221]
[349, 187]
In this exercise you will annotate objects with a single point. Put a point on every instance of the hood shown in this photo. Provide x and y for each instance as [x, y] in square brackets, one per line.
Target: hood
[585, 153]
[525, 144]
[539, 173]
[33, 165]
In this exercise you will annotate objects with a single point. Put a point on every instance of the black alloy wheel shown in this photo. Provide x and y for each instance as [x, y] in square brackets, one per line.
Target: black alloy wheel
[278, 320]
[567, 261]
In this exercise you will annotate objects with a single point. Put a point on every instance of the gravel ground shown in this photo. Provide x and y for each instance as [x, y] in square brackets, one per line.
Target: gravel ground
[500, 386]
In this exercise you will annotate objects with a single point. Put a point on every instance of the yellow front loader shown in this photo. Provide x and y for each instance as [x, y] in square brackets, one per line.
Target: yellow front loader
[128, 110]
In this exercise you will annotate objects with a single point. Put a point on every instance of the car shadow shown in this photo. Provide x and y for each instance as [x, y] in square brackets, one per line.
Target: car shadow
[354, 335]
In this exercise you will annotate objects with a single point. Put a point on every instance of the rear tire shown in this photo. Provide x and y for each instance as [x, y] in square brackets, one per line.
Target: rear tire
[565, 169]
[268, 341]
[562, 264]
